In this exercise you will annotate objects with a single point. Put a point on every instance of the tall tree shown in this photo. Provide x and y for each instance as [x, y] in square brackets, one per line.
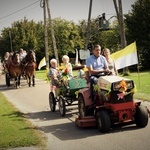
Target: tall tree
[67, 36]
[138, 24]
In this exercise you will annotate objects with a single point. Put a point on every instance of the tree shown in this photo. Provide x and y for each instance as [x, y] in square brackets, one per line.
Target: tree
[138, 24]
[67, 36]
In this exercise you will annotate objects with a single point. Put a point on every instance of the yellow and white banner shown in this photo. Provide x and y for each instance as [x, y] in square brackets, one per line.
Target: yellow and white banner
[42, 63]
[126, 57]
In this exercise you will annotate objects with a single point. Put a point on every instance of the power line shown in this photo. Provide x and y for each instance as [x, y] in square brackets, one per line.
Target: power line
[19, 10]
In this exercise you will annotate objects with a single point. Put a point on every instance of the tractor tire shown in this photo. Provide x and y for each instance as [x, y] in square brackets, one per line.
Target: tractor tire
[81, 106]
[103, 121]
[83, 111]
[141, 117]
[62, 106]
[52, 102]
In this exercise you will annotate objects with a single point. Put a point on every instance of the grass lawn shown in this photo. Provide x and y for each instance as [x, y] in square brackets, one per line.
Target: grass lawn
[15, 130]
[142, 82]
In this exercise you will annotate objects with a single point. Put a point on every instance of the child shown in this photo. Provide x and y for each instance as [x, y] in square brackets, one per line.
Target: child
[67, 65]
[54, 74]
[67, 70]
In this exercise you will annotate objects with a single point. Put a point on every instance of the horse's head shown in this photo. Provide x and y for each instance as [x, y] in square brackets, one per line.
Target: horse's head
[31, 56]
[16, 58]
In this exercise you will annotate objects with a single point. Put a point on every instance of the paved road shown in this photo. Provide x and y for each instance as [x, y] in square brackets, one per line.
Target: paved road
[62, 132]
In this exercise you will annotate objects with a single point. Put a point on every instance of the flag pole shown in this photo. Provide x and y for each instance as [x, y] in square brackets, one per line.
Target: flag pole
[138, 75]
[138, 66]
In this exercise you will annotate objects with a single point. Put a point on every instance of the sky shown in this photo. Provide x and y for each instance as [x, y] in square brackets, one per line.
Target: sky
[71, 10]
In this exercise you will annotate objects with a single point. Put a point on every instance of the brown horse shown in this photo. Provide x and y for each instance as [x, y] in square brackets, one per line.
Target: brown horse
[15, 68]
[30, 67]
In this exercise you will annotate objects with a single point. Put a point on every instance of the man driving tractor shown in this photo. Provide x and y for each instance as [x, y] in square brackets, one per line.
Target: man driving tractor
[97, 66]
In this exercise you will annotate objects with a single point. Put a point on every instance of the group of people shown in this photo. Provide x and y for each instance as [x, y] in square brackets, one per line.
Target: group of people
[97, 64]
[55, 74]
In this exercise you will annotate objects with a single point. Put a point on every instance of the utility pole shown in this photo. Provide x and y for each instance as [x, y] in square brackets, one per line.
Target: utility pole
[119, 13]
[88, 27]
[45, 33]
[52, 32]
[123, 37]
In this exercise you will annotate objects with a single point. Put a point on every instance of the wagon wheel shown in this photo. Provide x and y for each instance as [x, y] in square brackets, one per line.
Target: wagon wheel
[52, 102]
[141, 117]
[7, 79]
[62, 107]
[103, 121]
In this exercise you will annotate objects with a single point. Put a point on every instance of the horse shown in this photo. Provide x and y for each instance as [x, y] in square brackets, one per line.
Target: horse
[30, 67]
[15, 68]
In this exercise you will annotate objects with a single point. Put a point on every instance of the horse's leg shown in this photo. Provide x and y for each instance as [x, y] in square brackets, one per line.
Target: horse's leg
[29, 80]
[33, 80]
[19, 77]
[16, 82]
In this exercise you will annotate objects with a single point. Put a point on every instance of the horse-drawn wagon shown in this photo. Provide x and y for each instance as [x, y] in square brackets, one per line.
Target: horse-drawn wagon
[66, 96]
[14, 68]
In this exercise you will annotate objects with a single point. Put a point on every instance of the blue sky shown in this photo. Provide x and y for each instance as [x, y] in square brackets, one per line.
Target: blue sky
[75, 10]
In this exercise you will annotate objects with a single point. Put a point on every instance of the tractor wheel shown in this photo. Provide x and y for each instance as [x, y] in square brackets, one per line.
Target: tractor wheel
[84, 111]
[141, 117]
[62, 107]
[81, 106]
[103, 121]
[52, 102]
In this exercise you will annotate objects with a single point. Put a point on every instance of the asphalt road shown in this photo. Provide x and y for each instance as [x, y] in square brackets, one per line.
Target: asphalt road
[62, 132]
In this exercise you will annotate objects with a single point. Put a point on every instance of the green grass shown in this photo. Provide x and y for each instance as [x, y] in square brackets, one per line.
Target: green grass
[41, 74]
[15, 130]
[141, 80]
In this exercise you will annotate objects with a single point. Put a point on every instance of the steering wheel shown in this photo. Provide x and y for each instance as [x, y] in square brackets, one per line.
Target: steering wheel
[104, 73]
[107, 72]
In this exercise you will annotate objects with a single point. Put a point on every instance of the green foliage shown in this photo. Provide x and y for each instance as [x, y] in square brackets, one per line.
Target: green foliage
[138, 23]
[15, 130]
[67, 36]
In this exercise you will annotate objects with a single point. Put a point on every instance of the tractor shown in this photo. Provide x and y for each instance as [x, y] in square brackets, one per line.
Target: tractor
[112, 104]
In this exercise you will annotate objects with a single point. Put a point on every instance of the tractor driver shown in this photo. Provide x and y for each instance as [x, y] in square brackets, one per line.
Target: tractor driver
[97, 66]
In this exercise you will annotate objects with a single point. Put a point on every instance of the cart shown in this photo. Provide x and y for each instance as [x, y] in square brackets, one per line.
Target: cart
[65, 97]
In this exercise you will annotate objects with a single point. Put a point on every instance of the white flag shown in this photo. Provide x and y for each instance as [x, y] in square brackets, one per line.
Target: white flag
[42, 63]
[126, 57]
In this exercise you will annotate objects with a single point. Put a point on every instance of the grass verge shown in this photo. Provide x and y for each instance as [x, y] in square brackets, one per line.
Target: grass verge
[15, 130]
[142, 82]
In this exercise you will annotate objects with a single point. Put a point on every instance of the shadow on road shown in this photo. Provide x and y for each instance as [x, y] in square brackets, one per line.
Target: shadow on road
[64, 128]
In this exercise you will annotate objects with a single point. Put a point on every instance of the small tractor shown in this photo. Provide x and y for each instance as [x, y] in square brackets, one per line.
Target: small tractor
[113, 104]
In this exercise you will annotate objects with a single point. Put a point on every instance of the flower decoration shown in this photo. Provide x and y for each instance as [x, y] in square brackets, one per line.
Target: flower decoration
[123, 86]
[65, 72]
